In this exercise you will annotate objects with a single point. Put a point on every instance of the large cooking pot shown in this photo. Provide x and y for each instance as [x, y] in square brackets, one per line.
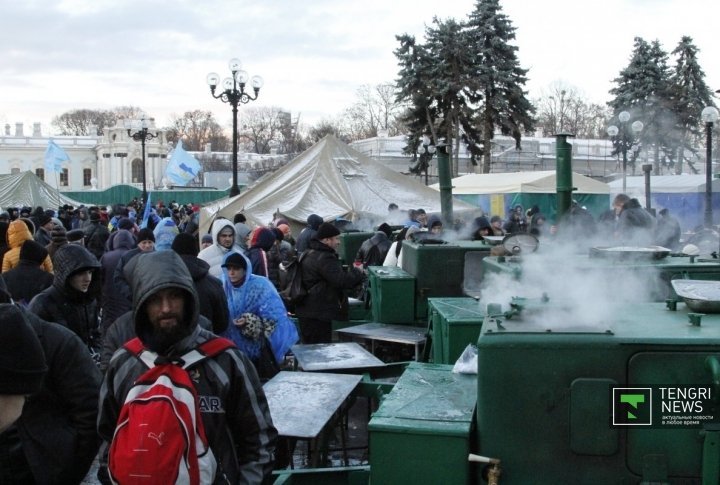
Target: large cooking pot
[629, 252]
[700, 296]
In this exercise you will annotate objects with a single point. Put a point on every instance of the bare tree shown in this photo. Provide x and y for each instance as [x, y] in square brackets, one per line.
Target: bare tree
[262, 127]
[79, 122]
[326, 127]
[197, 128]
[375, 109]
[564, 110]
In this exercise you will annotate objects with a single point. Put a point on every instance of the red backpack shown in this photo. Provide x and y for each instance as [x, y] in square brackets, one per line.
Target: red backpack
[160, 436]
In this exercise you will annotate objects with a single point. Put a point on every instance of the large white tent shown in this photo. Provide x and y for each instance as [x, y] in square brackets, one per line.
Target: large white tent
[541, 182]
[26, 189]
[332, 180]
[497, 193]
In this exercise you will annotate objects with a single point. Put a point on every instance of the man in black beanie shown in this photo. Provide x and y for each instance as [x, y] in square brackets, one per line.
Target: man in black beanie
[44, 226]
[213, 303]
[22, 364]
[303, 241]
[27, 279]
[326, 282]
[54, 439]
[372, 251]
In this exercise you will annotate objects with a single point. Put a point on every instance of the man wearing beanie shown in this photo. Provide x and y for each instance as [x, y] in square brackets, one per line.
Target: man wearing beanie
[58, 238]
[22, 364]
[28, 279]
[303, 240]
[96, 235]
[372, 251]
[326, 282]
[213, 304]
[45, 225]
[54, 440]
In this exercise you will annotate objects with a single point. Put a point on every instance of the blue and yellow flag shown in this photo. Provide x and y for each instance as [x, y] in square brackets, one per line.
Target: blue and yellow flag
[54, 157]
[183, 167]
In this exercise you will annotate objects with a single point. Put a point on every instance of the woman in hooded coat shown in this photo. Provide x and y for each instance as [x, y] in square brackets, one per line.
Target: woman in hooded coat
[257, 313]
[18, 232]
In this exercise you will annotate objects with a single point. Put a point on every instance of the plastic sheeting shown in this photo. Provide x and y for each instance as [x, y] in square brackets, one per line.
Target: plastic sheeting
[27, 190]
[332, 180]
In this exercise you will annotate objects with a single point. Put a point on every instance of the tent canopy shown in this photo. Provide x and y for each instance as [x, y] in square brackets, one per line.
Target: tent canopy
[26, 189]
[332, 180]
[542, 182]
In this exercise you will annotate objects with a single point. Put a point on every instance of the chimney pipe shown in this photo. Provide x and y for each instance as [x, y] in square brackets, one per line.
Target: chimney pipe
[563, 174]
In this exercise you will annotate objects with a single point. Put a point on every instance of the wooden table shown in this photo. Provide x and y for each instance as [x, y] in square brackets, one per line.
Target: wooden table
[385, 332]
[343, 356]
[302, 404]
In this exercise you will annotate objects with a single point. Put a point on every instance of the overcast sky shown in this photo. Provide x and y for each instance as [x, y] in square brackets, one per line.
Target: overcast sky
[313, 54]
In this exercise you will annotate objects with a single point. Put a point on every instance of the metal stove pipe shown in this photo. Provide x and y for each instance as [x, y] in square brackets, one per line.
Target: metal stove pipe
[563, 177]
[445, 179]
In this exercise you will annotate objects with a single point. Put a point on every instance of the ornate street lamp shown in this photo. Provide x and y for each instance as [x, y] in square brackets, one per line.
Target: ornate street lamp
[625, 142]
[425, 151]
[142, 135]
[234, 93]
[709, 115]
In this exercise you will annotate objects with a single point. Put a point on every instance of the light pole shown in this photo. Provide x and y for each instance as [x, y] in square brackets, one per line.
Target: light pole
[426, 151]
[709, 115]
[624, 141]
[143, 135]
[234, 93]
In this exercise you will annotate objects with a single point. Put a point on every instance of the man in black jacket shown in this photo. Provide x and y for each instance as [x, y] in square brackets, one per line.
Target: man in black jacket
[233, 406]
[326, 282]
[27, 279]
[54, 440]
[213, 302]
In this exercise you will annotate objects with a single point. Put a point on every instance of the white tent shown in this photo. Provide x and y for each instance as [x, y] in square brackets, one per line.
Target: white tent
[542, 182]
[26, 189]
[332, 180]
[666, 184]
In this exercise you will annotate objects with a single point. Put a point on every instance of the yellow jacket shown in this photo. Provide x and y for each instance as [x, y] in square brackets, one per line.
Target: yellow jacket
[17, 233]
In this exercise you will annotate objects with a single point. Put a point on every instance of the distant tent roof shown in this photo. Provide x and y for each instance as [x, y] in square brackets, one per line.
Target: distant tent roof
[332, 180]
[26, 189]
[541, 182]
[665, 184]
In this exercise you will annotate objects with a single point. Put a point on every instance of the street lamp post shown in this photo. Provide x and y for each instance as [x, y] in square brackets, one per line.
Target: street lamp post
[625, 142]
[234, 93]
[709, 115]
[143, 135]
[426, 151]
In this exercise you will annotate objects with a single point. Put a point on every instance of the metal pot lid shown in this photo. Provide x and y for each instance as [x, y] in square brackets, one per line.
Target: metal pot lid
[520, 243]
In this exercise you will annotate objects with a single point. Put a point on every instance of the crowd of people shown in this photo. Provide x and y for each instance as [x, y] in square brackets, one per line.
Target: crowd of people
[78, 284]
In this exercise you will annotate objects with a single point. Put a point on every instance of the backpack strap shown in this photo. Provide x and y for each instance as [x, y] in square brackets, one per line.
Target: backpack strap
[207, 349]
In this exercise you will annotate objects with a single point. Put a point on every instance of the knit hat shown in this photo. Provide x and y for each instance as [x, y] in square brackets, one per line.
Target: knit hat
[4, 216]
[75, 235]
[185, 243]
[43, 219]
[326, 230]
[94, 216]
[22, 361]
[145, 234]
[385, 227]
[278, 234]
[235, 259]
[207, 238]
[32, 251]
[314, 221]
[58, 234]
[125, 223]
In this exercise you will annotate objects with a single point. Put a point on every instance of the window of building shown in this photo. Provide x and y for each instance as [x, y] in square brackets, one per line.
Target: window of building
[87, 175]
[40, 172]
[64, 177]
[136, 171]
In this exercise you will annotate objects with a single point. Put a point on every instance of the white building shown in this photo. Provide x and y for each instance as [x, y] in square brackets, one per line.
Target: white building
[95, 161]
